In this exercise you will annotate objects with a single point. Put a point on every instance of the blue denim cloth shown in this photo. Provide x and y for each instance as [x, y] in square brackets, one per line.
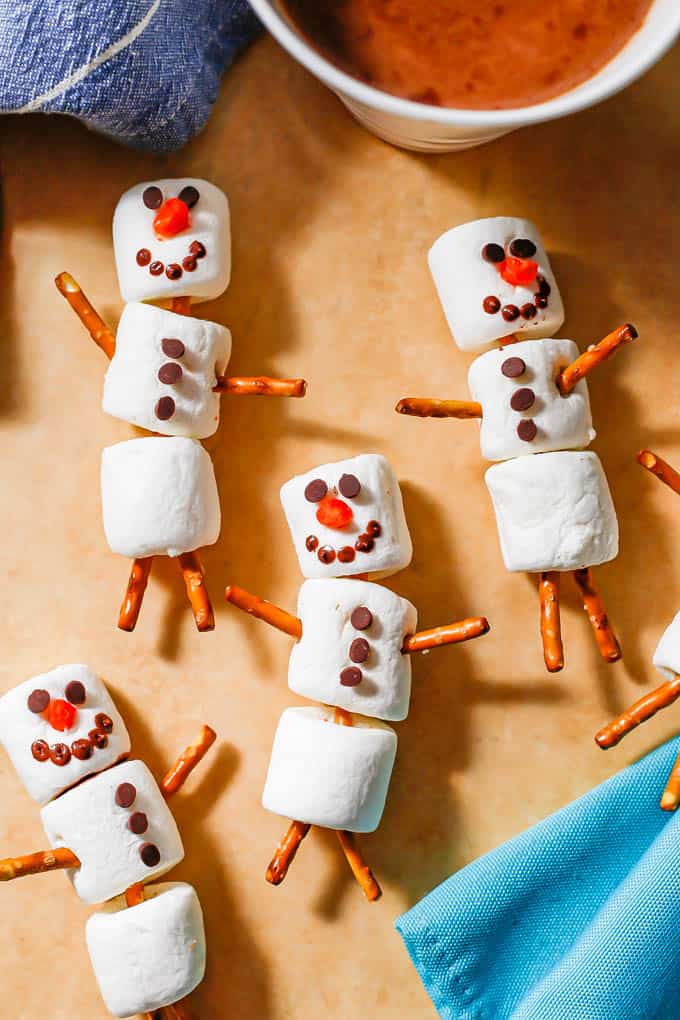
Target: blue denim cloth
[576, 919]
[145, 72]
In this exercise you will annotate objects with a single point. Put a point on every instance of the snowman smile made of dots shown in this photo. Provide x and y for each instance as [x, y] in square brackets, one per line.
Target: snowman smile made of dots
[333, 512]
[516, 267]
[172, 218]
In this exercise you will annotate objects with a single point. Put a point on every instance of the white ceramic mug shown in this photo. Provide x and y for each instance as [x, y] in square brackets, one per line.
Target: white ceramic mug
[442, 129]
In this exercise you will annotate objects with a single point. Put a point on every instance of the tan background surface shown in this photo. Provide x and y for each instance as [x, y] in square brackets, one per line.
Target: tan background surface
[330, 231]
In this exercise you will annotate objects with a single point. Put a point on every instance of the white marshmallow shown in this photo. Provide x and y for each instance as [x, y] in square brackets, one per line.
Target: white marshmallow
[150, 955]
[89, 821]
[132, 387]
[563, 423]
[21, 729]
[379, 500]
[317, 660]
[330, 775]
[464, 279]
[133, 232]
[159, 497]
[667, 654]
[554, 511]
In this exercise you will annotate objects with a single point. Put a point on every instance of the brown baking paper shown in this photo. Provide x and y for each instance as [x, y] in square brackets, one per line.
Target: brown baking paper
[331, 229]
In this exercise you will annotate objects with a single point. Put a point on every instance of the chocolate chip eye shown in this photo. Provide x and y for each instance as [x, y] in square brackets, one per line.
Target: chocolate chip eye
[493, 253]
[152, 197]
[75, 692]
[38, 701]
[349, 486]
[189, 196]
[523, 248]
[316, 491]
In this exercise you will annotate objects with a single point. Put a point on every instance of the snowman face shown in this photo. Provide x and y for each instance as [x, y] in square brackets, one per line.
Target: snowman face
[494, 280]
[348, 518]
[60, 727]
[171, 238]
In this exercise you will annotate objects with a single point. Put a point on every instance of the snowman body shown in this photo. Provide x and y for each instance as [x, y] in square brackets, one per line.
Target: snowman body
[344, 518]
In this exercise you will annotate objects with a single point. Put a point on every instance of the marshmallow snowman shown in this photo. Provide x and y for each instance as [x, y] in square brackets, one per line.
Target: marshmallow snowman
[172, 243]
[331, 765]
[553, 506]
[109, 826]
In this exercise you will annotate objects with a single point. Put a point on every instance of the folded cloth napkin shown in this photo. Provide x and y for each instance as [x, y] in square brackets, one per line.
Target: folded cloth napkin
[145, 72]
[576, 919]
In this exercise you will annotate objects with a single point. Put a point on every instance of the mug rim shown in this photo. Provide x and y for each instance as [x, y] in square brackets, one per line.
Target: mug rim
[584, 95]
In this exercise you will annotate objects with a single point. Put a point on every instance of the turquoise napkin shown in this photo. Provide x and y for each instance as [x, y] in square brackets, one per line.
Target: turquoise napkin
[576, 919]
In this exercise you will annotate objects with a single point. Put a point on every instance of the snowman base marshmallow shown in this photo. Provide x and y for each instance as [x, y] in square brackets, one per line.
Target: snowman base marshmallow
[150, 955]
[159, 497]
[329, 775]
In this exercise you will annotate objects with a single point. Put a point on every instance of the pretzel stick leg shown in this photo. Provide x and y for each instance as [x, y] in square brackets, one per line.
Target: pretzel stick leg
[428, 407]
[586, 362]
[285, 852]
[661, 468]
[360, 869]
[91, 320]
[266, 611]
[134, 593]
[640, 711]
[260, 386]
[551, 631]
[194, 580]
[449, 634]
[610, 650]
[187, 761]
[36, 864]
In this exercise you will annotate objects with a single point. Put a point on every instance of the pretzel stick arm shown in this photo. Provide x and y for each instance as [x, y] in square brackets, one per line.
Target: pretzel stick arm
[266, 611]
[661, 468]
[640, 711]
[586, 362]
[551, 632]
[197, 590]
[36, 864]
[671, 795]
[91, 320]
[260, 386]
[449, 634]
[360, 869]
[285, 852]
[607, 642]
[427, 407]
[187, 761]
[134, 593]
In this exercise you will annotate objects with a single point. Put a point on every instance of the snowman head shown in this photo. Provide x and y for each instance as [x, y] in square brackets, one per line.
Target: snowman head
[171, 238]
[59, 728]
[348, 518]
[494, 280]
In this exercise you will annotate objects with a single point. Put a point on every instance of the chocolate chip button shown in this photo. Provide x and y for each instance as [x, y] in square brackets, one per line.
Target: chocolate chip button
[38, 701]
[364, 543]
[170, 373]
[82, 749]
[138, 823]
[156, 268]
[359, 649]
[103, 722]
[316, 490]
[143, 257]
[491, 304]
[311, 542]
[189, 263]
[349, 486]
[522, 399]
[60, 754]
[346, 554]
[351, 676]
[172, 347]
[527, 430]
[361, 618]
[173, 271]
[98, 739]
[510, 312]
[527, 311]
[165, 408]
[75, 692]
[326, 554]
[197, 249]
[125, 795]
[374, 529]
[513, 367]
[150, 854]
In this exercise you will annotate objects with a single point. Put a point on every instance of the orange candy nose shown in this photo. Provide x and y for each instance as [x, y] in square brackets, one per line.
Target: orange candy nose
[61, 715]
[172, 218]
[518, 272]
[334, 513]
